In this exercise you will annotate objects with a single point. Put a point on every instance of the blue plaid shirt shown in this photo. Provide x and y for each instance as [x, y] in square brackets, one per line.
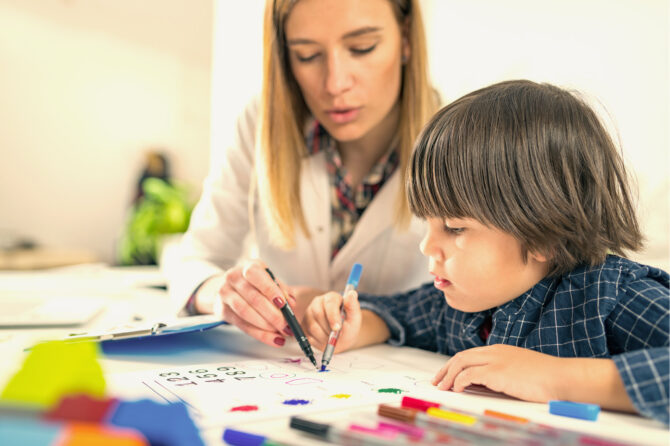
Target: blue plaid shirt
[619, 310]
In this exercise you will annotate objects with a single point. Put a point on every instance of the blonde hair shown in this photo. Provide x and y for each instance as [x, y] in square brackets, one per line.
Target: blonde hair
[281, 145]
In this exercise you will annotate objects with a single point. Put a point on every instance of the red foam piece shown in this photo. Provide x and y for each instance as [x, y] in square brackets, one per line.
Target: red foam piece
[82, 408]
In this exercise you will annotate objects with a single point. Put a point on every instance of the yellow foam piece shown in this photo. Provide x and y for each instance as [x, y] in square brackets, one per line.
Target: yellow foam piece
[55, 369]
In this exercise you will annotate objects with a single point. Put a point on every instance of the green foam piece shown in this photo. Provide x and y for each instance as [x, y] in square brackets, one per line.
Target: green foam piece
[55, 369]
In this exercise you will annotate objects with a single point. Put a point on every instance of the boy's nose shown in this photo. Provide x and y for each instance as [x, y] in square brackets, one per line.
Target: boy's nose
[429, 248]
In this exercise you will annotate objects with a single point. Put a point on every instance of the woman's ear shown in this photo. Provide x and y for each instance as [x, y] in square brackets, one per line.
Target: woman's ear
[405, 47]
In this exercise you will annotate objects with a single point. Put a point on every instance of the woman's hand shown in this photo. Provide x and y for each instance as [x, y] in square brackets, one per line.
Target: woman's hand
[323, 316]
[515, 371]
[248, 298]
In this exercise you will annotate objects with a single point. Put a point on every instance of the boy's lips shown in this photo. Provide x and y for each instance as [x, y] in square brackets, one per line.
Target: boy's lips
[440, 282]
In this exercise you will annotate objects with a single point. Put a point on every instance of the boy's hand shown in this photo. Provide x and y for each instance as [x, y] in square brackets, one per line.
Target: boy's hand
[323, 316]
[514, 371]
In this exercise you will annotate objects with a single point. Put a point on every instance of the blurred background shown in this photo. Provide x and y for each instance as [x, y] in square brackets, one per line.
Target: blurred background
[95, 93]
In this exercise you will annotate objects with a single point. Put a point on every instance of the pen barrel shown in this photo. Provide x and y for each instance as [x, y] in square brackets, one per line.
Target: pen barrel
[296, 329]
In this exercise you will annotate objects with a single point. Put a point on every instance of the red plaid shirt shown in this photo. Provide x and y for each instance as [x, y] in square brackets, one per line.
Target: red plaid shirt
[347, 203]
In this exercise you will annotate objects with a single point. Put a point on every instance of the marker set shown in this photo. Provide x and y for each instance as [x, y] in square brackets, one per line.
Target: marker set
[421, 422]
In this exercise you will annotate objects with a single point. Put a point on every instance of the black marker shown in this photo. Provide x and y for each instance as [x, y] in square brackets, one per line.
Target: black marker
[294, 325]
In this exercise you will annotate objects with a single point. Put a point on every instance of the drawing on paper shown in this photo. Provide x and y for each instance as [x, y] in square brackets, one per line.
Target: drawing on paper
[239, 391]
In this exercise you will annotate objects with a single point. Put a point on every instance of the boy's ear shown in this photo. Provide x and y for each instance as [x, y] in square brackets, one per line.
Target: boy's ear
[538, 256]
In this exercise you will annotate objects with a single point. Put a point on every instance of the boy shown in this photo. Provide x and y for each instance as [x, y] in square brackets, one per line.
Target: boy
[527, 204]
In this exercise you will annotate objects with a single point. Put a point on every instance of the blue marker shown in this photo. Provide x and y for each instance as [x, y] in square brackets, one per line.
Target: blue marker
[352, 283]
[241, 438]
[575, 410]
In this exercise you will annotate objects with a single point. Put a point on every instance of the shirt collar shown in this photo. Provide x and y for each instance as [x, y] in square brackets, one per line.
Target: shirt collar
[531, 299]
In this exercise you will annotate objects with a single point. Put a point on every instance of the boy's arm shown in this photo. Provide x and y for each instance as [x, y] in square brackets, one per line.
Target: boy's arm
[411, 318]
[639, 337]
[373, 330]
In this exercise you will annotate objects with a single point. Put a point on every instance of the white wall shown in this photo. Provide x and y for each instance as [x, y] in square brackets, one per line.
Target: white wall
[615, 52]
[85, 88]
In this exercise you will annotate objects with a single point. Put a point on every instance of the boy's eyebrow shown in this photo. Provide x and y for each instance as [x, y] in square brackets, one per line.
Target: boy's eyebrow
[350, 34]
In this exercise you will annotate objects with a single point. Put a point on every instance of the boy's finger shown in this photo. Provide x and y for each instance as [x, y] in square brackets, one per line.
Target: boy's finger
[351, 307]
[332, 304]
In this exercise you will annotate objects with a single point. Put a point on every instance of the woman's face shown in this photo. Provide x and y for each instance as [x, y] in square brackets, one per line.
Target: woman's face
[346, 56]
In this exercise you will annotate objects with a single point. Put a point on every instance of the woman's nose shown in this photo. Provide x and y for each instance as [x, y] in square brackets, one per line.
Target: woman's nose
[338, 75]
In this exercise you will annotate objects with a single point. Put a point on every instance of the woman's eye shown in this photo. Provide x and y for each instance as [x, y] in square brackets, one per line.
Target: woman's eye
[309, 58]
[365, 50]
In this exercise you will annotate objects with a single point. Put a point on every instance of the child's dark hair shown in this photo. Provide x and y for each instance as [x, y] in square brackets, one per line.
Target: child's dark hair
[532, 160]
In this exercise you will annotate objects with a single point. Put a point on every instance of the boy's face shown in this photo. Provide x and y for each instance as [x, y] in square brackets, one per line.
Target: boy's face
[478, 267]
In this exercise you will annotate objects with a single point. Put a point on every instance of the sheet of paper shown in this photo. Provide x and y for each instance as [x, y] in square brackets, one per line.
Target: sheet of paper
[227, 393]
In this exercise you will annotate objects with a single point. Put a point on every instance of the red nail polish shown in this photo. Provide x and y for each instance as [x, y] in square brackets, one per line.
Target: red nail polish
[278, 301]
[288, 331]
[279, 340]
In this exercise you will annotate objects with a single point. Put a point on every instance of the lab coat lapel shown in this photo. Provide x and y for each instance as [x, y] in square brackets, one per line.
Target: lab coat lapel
[376, 218]
[315, 196]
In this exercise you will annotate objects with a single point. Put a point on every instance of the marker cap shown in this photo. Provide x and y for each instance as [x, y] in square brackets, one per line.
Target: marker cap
[575, 410]
[414, 403]
[355, 275]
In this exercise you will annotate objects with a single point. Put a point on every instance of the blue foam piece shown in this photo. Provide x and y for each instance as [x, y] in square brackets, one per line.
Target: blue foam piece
[28, 432]
[162, 424]
[582, 411]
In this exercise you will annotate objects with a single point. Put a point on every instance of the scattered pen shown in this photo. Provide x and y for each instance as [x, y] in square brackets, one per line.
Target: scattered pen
[337, 435]
[352, 283]
[237, 437]
[294, 325]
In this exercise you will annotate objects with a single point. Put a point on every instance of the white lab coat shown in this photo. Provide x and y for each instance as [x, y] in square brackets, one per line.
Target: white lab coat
[391, 259]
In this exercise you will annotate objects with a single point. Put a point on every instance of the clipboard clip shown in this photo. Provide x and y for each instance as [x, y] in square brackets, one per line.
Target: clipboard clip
[157, 328]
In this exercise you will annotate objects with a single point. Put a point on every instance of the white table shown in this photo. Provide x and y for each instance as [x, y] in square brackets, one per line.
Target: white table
[129, 297]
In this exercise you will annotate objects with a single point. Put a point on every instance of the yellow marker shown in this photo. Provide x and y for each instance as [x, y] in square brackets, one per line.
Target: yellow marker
[451, 416]
[55, 369]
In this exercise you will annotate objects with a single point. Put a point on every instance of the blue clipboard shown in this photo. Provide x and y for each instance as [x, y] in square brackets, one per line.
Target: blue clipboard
[149, 329]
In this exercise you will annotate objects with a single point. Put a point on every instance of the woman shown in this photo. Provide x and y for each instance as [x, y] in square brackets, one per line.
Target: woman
[316, 172]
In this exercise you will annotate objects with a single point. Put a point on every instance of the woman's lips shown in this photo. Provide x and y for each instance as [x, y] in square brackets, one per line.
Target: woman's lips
[343, 115]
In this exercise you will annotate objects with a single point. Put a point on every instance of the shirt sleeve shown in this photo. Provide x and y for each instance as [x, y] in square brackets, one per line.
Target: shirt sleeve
[410, 317]
[639, 339]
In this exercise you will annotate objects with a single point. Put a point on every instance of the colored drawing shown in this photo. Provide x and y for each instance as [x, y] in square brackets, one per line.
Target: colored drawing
[219, 394]
[244, 408]
[390, 390]
[295, 402]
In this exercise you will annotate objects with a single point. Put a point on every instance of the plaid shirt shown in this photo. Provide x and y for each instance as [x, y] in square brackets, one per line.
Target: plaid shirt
[619, 310]
[347, 204]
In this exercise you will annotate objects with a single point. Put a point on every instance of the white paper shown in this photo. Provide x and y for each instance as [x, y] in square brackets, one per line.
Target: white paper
[225, 393]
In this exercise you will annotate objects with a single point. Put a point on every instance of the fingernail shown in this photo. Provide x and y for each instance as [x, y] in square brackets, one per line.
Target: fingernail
[293, 299]
[288, 331]
[279, 340]
[278, 301]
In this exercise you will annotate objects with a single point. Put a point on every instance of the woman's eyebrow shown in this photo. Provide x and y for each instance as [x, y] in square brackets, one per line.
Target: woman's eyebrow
[348, 35]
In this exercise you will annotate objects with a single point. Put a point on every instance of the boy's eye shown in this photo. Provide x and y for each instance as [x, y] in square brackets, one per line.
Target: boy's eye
[363, 50]
[454, 231]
